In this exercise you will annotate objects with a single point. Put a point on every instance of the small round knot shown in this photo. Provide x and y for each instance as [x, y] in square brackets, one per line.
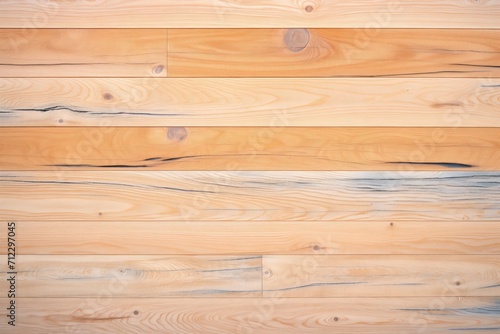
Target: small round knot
[158, 69]
[136, 312]
[296, 39]
[316, 247]
[309, 8]
[107, 96]
[177, 133]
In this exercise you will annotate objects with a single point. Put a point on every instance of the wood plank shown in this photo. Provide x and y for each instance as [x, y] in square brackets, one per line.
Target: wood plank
[443, 314]
[366, 14]
[249, 148]
[333, 53]
[380, 275]
[278, 102]
[257, 237]
[239, 195]
[136, 276]
[83, 52]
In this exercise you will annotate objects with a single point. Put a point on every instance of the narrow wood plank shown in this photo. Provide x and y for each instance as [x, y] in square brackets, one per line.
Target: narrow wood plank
[136, 276]
[249, 148]
[83, 52]
[436, 315]
[249, 238]
[333, 53]
[273, 102]
[380, 275]
[366, 14]
[174, 196]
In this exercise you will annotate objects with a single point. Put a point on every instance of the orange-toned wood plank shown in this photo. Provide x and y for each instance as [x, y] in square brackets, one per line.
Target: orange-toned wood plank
[83, 53]
[435, 315]
[255, 237]
[333, 53]
[136, 276]
[231, 196]
[249, 148]
[447, 102]
[380, 275]
[365, 14]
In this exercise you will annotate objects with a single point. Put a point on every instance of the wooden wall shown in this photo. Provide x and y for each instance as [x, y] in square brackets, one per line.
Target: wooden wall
[229, 166]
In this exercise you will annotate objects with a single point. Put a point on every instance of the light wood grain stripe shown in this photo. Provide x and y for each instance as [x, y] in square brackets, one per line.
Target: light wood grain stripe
[83, 52]
[381, 275]
[333, 53]
[249, 148]
[365, 14]
[272, 102]
[188, 196]
[436, 315]
[257, 237]
[135, 276]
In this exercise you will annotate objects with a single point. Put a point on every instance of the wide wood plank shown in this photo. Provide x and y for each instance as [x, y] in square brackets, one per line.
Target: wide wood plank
[248, 238]
[249, 148]
[83, 52]
[366, 14]
[436, 315]
[333, 53]
[233, 195]
[380, 275]
[274, 102]
[135, 276]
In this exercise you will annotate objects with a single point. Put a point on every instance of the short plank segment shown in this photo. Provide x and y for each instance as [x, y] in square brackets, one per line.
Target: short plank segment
[271, 102]
[333, 53]
[381, 275]
[435, 315]
[233, 195]
[83, 52]
[365, 14]
[251, 238]
[136, 276]
[249, 148]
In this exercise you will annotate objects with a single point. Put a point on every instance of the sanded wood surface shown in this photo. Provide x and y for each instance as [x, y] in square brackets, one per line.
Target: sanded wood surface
[82, 52]
[270, 102]
[366, 14]
[333, 53]
[232, 195]
[249, 148]
[256, 237]
[441, 314]
[137, 276]
[380, 275]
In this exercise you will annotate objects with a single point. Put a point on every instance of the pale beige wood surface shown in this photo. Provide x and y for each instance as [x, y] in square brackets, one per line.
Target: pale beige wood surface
[333, 53]
[437, 315]
[366, 14]
[270, 102]
[380, 275]
[136, 276]
[261, 195]
[256, 237]
[249, 148]
[83, 52]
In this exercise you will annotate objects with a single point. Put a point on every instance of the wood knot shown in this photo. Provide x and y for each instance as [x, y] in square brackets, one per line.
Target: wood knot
[158, 69]
[177, 133]
[296, 39]
[136, 312]
[309, 8]
[107, 96]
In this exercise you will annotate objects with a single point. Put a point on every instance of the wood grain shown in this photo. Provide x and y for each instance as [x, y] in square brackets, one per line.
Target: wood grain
[333, 53]
[233, 195]
[257, 237]
[272, 102]
[380, 275]
[436, 315]
[83, 52]
[364, 14]
[137, 276]
[249, 148]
